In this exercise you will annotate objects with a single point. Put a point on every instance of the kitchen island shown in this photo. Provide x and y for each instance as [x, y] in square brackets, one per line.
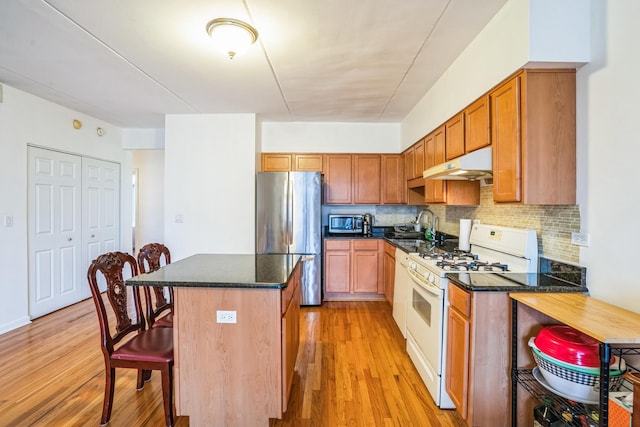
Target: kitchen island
[236, 335]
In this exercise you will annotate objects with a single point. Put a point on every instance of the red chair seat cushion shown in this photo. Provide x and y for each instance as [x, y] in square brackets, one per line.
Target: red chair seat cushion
[153, 345]
[164, 321]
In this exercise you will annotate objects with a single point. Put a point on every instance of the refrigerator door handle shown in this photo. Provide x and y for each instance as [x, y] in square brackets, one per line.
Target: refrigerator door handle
[290, 213]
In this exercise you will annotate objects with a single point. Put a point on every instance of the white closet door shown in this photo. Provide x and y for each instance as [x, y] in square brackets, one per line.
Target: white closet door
[100, 210]
[54, 194]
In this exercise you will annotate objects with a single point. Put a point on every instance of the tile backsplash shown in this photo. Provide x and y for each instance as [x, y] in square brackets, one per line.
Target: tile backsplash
[553, 224]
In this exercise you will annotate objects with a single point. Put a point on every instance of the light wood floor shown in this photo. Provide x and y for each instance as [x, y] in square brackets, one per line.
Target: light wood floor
[352, 370]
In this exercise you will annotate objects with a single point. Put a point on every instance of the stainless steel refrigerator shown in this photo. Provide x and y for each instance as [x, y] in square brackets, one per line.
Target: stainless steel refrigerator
[289, 221]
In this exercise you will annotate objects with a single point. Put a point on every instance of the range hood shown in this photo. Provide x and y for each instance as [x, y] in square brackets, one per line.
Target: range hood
[473, 166]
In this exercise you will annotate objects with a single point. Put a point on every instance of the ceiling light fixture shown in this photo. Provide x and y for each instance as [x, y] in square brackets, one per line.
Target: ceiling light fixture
[232, 36]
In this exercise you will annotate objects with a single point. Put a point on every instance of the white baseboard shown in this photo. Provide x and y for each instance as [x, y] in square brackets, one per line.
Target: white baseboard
[14, 324]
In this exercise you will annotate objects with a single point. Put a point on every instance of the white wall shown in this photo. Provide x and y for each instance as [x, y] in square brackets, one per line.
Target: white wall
[607, 131]
[607, 107]
[149, 165]
[143, 139]
[305, 137]
[524, 32]
[26, 119]
[210, 181]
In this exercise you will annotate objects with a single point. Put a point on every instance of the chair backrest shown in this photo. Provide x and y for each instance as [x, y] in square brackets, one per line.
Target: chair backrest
[111, 265]
[150, 259]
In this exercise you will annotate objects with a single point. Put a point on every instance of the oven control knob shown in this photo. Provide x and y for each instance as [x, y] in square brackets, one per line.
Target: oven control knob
[413, 266]
[432, 278]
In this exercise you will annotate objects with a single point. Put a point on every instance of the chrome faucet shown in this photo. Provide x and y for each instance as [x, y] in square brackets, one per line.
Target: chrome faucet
[431, 227]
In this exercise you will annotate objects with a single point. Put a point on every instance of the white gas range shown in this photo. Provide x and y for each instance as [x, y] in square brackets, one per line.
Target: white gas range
[493, 249]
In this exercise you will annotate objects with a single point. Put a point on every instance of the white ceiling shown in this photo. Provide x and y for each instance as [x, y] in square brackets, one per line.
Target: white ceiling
[130, 62]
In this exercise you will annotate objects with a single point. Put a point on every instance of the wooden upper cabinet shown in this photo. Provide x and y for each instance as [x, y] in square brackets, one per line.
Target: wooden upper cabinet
[409, 163]
[307, 162]
[418, 159]
[276, 162]
[454, 136]
[366, 179]
[477, 130]
[533, 132]
[285, 162]
[434, 189]
[505, 134]
[451, 193]
[548, 100]
[393, 183]
[337, 178]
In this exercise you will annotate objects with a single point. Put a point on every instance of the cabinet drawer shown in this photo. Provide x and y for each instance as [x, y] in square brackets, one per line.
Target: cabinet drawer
[337, 245]
[460, 300]
[365, 245]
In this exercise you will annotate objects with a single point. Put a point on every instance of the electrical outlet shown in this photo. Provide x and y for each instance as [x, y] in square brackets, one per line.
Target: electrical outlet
[225, 316]
[179, 219]
[8, 221]
[580, 239]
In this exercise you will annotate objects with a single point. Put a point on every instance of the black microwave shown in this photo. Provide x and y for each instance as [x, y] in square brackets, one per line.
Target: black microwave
[345, 223]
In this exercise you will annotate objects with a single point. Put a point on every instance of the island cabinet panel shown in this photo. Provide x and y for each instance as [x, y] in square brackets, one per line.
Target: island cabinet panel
[222, 366]
[226, 365]
[290, 336]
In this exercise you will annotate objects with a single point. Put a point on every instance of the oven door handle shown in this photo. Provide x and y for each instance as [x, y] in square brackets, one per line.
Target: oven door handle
[424, 284]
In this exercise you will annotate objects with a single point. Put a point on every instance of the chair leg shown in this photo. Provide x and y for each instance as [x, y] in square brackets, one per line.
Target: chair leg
[167, 394]
[109, 384]
[140, 380]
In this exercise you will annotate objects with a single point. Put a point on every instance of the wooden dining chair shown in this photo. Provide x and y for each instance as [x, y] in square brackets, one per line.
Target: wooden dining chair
[159, 309]
[129, 345]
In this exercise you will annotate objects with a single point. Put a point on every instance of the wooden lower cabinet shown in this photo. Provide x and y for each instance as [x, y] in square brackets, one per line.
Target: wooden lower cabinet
[389, 265]
[353, 268]
[478, 374]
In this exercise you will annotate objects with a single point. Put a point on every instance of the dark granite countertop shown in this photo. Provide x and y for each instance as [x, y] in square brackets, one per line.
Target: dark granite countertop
[445, 242]
[223, 271]
[515, 282]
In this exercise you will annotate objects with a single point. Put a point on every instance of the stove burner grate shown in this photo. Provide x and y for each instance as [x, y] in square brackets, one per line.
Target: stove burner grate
[454, 256]
[474, 265]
